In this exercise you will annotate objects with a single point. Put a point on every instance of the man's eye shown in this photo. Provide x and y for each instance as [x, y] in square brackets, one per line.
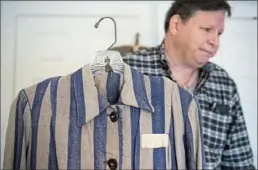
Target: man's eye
[206, 29]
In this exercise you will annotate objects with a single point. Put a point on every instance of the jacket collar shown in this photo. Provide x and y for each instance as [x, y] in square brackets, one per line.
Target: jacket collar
[90, 103]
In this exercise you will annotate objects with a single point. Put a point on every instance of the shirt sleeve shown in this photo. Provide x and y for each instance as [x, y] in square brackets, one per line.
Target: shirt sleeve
[237, 153]
[195, 155]
[17, 134]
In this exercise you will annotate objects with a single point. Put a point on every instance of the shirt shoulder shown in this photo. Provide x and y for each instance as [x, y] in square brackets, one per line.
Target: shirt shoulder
[218, 75]
[147, 61]
[144, 55]
[36, 92]
[143, 52]
[219, 86]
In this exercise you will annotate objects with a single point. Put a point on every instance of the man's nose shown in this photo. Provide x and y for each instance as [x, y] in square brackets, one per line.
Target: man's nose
[214, 41]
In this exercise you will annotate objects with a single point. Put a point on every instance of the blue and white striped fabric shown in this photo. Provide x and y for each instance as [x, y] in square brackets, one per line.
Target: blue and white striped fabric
[81, 121]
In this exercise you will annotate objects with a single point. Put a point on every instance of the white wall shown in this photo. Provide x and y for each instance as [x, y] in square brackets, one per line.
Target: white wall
[23, 22]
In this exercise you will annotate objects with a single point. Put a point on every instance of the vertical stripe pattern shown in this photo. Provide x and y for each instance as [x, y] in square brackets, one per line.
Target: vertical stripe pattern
[52, 164]
[169, 127]
[62, 120]
[135, 138]
[186, 98]
[121, 136]
[19, 130]
[35, 116]
[44, 123]
[158, 119]
[81, 121]
[100, 140]
[74, 136]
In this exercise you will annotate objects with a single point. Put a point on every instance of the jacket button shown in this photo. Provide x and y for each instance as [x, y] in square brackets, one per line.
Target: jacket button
[112, 163]
[113, 116]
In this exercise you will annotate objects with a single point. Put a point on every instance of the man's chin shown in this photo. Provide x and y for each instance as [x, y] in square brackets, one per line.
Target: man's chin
[201, 63]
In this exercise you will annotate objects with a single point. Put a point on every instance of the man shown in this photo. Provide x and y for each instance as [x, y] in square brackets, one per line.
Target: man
[193, 29]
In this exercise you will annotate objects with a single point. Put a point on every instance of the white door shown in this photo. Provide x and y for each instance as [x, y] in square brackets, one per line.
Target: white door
[45, 39]
[57, 44]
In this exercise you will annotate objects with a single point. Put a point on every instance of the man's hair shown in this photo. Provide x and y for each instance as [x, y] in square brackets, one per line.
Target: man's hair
[186, 8]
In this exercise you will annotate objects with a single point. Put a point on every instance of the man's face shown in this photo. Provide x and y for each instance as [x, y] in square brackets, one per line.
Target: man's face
[198, 38]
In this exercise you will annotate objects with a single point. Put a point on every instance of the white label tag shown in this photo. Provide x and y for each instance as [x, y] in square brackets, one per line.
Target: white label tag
[154, 140]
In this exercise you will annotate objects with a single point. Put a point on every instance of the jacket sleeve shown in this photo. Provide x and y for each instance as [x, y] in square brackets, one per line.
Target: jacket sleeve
[17, 134]
[195, 155]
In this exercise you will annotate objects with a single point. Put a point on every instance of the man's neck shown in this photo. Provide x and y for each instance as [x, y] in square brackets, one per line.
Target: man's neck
[175, 58]
[181, 72]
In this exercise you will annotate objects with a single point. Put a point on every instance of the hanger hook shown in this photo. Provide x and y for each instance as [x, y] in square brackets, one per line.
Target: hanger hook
[97, 24]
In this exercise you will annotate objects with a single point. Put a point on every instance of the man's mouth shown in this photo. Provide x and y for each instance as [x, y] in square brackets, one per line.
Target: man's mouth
[207, 51]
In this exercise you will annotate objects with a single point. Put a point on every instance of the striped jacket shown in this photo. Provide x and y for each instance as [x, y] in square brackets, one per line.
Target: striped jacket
[106, 121]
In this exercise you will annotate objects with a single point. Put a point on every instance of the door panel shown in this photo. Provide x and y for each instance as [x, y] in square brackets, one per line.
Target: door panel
[60, 44]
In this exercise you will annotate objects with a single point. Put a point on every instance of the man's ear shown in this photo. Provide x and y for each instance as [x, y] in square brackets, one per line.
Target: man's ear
[174, 24]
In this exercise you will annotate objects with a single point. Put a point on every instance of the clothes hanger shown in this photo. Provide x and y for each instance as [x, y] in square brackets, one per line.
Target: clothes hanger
[108, 60]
